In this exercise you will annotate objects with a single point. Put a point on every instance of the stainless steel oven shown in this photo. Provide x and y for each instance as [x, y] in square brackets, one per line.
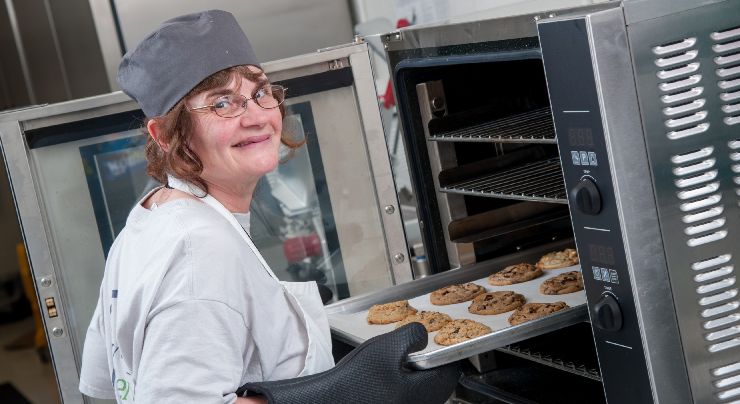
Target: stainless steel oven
[616, 126]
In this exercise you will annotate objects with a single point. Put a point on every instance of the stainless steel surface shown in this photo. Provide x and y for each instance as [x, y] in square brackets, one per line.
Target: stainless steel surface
[377, 149]
[700, 243]
[643, 10]
[637, 210]
[39, 254]
[441, 157]
[110, 48]
[276, 29]
[506, 26]
[22, 58]
[530, 127]
[539, 181]
[466, 349]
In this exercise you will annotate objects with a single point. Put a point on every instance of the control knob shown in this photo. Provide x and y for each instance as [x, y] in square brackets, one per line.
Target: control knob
[607, 314]
[586, 197]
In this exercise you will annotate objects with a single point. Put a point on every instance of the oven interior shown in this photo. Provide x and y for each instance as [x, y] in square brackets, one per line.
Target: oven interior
[485, 158]
[481, 143]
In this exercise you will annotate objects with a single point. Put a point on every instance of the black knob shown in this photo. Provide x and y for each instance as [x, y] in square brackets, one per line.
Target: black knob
[586, 197]
[607, 314]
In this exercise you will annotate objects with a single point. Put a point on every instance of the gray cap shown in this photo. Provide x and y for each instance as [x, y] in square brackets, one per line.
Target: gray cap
[182, 52]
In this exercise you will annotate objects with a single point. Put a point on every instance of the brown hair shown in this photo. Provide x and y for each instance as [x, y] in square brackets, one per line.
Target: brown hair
[177, 125]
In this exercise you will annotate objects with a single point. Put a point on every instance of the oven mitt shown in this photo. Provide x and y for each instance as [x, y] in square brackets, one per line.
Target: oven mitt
[373, 372]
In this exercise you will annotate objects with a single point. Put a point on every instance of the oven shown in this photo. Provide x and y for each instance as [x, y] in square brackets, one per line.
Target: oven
[614, 127]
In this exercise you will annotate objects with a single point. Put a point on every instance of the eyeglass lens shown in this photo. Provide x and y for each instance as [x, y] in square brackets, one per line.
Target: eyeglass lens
[267, 97]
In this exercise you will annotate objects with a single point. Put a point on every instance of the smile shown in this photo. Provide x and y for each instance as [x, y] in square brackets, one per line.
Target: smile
[253, 140]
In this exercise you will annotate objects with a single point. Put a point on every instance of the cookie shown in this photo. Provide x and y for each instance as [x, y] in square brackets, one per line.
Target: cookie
[531, 311]
[496, 302]
[558, 259]
[456, 293]
[567, 282]
[457, 331]
[389, 312]
[431, 320]
[514, 274]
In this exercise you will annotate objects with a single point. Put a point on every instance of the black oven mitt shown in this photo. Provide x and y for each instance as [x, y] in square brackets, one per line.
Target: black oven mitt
[373, 372]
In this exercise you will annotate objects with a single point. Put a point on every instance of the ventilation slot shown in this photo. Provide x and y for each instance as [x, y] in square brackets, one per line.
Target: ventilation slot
[705, 227]
[703, 215]
[697, 192]
[694, 168]
[721, 321]
[711, 275]
[697, 179]
[725, 370]
[727, 332]
[728, 67]
[711, 262]
[719, 297]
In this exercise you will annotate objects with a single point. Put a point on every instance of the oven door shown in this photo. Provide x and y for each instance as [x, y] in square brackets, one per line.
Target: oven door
[329, 212]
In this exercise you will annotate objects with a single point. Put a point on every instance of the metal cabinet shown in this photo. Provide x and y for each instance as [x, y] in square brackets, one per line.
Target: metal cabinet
[329, 212]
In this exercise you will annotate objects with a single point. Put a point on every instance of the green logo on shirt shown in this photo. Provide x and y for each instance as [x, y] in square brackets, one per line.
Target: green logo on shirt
[123, 388]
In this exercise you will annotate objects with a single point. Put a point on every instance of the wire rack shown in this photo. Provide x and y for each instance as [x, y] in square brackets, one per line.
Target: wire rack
[540, 181]
[535, 126]
[553, 361]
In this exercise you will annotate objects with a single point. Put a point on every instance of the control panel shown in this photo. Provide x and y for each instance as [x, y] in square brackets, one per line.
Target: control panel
[581, 140]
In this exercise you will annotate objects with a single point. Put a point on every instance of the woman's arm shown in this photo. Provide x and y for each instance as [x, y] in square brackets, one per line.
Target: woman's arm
[193, 353]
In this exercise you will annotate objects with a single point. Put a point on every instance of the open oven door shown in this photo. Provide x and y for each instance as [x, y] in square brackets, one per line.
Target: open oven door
[329, 212]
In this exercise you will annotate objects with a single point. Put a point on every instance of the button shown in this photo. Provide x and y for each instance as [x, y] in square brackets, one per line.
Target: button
[576, 158]
[584, 158]
[605, 275]
[607, 315]
[586, 197]
[592, 159]
[597, 273]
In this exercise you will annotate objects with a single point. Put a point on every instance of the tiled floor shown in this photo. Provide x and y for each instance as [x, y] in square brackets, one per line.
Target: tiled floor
[23, 368]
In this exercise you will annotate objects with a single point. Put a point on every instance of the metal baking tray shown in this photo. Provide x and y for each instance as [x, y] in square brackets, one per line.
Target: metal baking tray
[348, 323]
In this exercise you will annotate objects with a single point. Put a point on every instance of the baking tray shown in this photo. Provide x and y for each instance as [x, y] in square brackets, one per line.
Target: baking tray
[348, 318]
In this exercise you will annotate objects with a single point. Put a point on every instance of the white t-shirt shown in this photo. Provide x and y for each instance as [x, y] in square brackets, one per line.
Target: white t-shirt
[187, 313]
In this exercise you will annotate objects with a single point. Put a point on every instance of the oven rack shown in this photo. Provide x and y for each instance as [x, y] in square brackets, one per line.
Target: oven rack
[551, 360]
[534, 126]
[539, 181]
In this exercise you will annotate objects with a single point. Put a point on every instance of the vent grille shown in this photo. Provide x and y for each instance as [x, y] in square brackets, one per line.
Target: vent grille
[729, 381]
[698, 191]
[718, 298]
[680, 85]
[727, 60]
[734, 146]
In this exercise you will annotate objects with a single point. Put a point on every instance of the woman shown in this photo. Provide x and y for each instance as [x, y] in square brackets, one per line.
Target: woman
[188, 309]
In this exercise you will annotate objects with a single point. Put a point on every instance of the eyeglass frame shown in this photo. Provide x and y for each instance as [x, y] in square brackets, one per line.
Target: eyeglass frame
[212, 107]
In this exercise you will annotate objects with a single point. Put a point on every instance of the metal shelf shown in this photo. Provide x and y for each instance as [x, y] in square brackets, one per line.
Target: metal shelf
[535, 126]
[539, 181]
[553, 361]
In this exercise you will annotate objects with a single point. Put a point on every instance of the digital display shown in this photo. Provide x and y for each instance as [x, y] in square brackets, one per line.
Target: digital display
[581, 137]
[601, 254]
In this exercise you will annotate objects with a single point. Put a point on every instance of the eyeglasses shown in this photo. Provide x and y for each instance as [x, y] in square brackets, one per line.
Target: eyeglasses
[233, 105]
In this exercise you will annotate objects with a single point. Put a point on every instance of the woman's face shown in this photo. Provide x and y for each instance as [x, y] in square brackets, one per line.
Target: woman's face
[237, 151]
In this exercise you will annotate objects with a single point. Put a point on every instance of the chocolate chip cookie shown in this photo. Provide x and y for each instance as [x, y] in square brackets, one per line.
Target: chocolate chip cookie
[457, 331]
[389, 312]
[431, 320]
[496, 302]
[456, 293]
[531, 311]
[567, 282]
[514, 274]
[558, 259]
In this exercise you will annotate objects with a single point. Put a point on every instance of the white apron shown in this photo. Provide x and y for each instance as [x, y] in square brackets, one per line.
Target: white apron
[304, 296]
